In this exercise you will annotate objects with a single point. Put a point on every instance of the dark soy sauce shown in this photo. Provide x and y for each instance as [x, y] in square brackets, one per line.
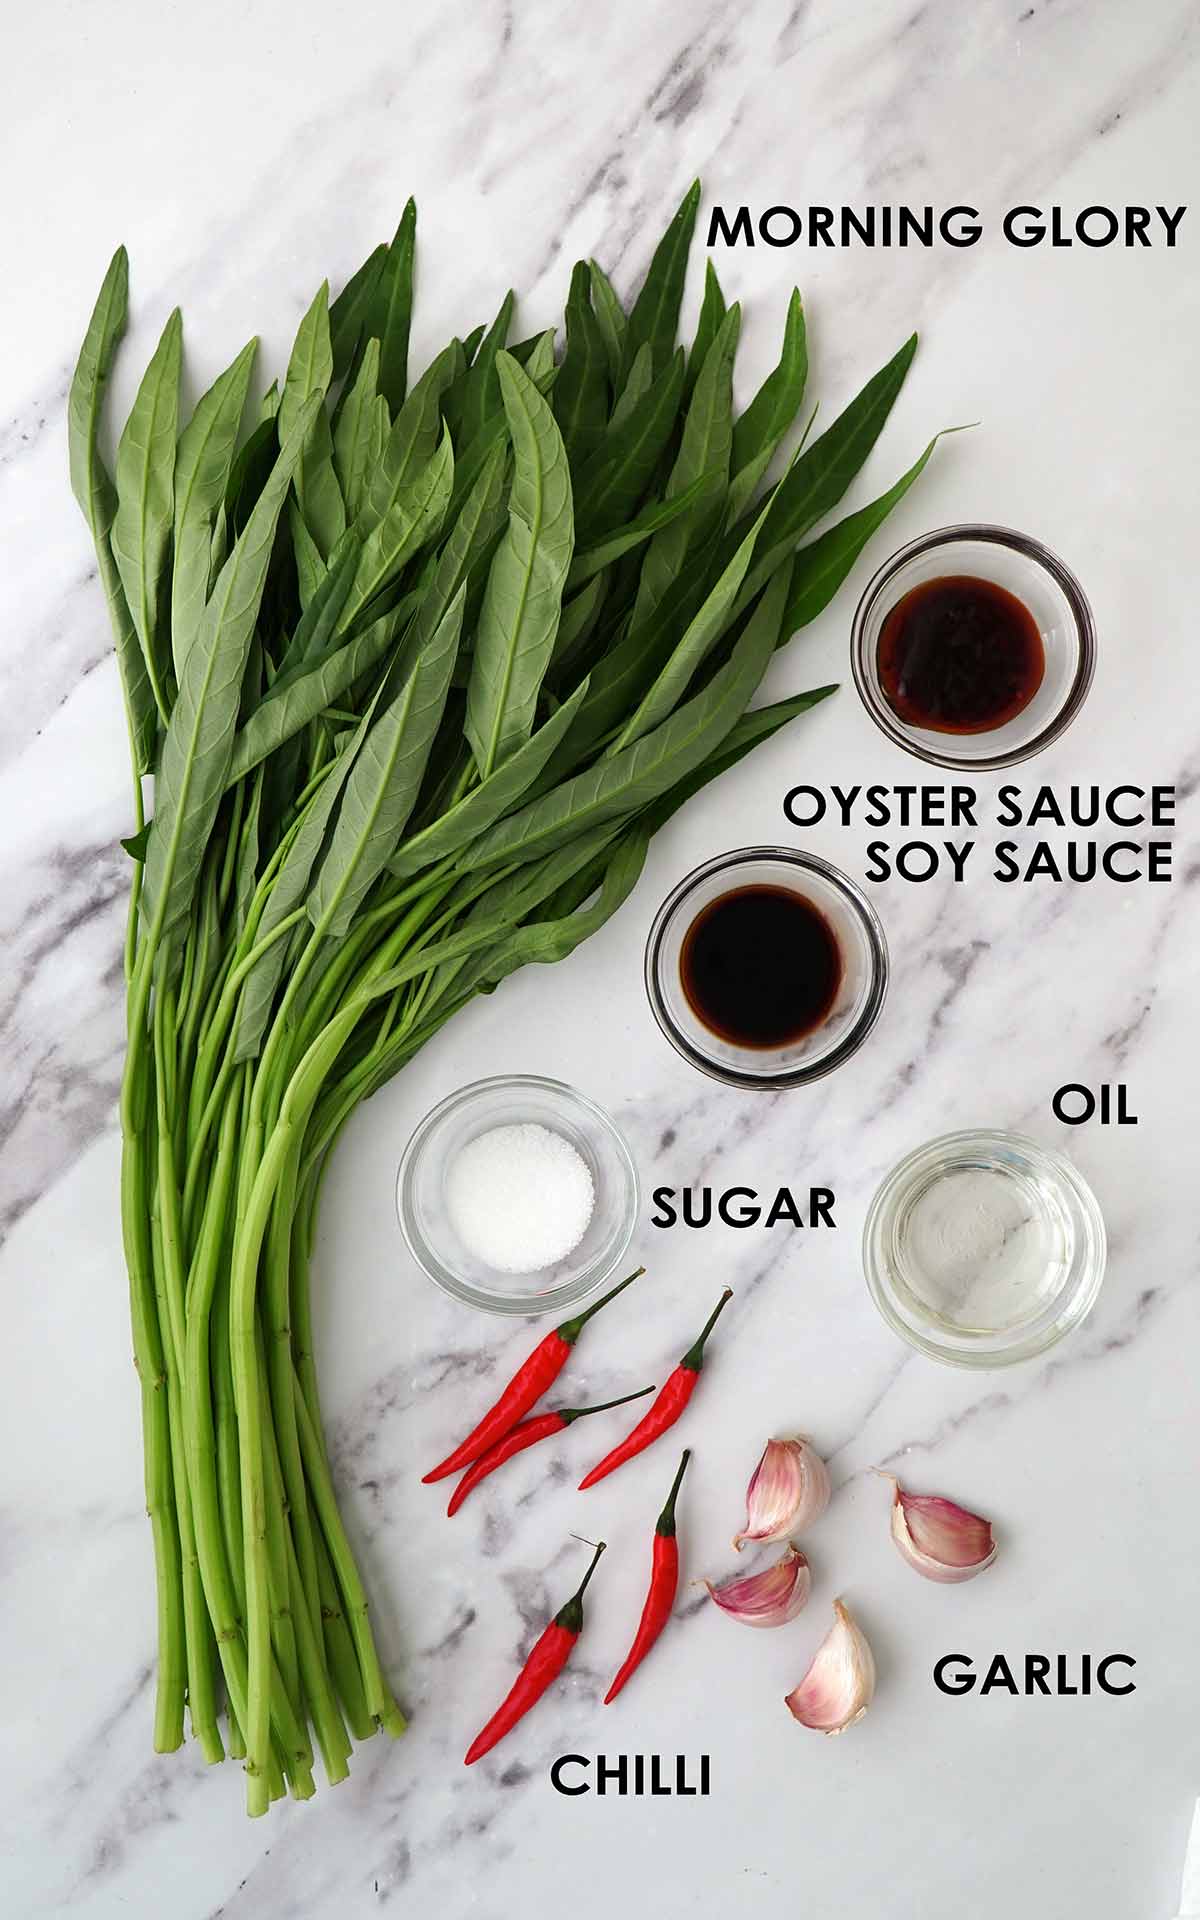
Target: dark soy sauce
[960, 655]
[760, 966]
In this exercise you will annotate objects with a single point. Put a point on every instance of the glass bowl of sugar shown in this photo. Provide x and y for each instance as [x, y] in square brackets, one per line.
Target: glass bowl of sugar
[983, 1248]
[517, 1195]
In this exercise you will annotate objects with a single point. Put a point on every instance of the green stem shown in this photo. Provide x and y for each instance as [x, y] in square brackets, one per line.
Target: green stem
[150, 1363]
[277, 1312]
[339, 1647]
[243, 1353]
[216, 1041]
[379, 1701]
[283, 1627]
[332, 1737]
[229, 1486]
[197, 1638]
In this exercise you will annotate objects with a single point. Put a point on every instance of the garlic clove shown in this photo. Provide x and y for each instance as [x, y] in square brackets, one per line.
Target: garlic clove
[788, 1490]
[941, 1540]
[839, 1685]
[769, 1598]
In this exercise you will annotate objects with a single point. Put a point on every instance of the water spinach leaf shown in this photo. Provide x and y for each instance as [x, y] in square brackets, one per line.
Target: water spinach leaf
[354, 432]
[654, 317]
[821, 567]
[415, 518]
[519, 617]
[612, 322]
[702, 461]
[700, 637]
[494, 797]
[414, 437]
[613, 482]
[202, 469]
[634, 777]
[820, 476]
[712, 312]
[389, 315]
[348, 313]
[581, 392]
[142, 524]
[481, 389]
[774, 407]
[384, 782]
[199, 739]
[96, 494]
[650, 521]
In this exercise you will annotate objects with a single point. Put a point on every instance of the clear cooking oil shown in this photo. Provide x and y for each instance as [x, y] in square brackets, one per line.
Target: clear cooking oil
[983, 1248]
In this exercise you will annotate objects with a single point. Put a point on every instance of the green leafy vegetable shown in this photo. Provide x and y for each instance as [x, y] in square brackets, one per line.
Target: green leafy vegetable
[202, 468]
[385, 780]
[640, 773]
[348, 313]
[614, 480]
[581, 391]
[702, 461]
[699, 638]
[389, 314]
[141, 528]
[352, 440]
[414, 437]
[421, 668]
[199, 740]
[96, 495]
[493, 797]
[288, 709]
[611, 320]
[818, 479]
[822, 566]
[654, 317]
[481, 394]
[771, 412]
[650, 521]
[520, 613]
[414, 519]
[712, 312]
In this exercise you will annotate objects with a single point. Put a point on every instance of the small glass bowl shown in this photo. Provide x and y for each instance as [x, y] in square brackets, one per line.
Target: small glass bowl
[502, 1102]
[860, 994]
[1037, 578]
[1030, 1273]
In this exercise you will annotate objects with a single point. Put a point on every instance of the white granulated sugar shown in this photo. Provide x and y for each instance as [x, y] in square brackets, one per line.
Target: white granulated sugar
[519, 1197]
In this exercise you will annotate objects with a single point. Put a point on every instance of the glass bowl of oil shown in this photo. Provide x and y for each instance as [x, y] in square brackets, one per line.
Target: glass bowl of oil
[973, 647]
[983, 1248]
[766, 968]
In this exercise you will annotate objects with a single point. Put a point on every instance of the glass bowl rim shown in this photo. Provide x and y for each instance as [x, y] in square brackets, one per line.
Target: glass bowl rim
[863, 912]
[1028, 548]
[1085, 1286]
[589, 1279]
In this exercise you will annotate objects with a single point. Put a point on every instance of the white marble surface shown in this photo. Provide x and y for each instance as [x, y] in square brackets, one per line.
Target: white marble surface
[242, 153]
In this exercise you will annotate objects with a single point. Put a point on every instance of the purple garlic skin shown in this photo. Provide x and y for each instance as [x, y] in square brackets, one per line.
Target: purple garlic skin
[941, 1540]
[840, 1684]
[788, 1490]
[769, 1598]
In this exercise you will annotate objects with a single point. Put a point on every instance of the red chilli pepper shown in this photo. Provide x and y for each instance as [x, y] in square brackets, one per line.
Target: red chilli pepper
[664, 1583]
[528, 1384]
[527, 1434]
[542, 1668]
[670, 1403]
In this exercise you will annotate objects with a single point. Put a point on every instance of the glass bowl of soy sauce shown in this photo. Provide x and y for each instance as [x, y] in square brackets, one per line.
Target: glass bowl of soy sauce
[766, 968]
[973, 647]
